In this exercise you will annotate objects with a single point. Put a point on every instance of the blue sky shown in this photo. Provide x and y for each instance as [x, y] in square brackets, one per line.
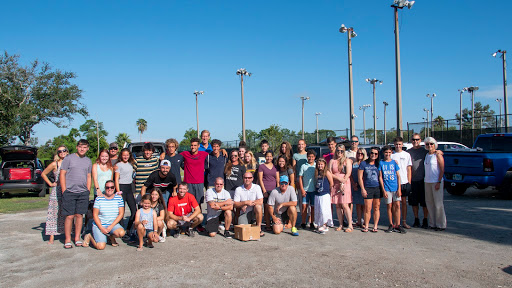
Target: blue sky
[140, 59]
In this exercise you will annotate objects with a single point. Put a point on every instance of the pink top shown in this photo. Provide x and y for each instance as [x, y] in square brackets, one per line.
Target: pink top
[194, 166]
[346, 195]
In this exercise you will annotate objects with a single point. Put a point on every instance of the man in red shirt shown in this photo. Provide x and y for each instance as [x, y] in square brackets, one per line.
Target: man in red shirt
[194, 169]
[184, 212]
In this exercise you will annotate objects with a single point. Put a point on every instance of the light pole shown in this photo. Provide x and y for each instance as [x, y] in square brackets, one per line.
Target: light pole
[317, 114]
[431, 112]
[303, 99]
[197, 110]
[499, 104]
[426, 126]
[505, 100]
[480, 113]
[385, 105]
[460, 122]
[364, 107]
[350, 34]
[243, 72]
[399, 4]
[472, 90]
[373, 81]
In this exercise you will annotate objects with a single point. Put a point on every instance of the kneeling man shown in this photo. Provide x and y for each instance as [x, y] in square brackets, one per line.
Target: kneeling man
[220, 208]
[282, 204]
[184, 212]
[249, 201]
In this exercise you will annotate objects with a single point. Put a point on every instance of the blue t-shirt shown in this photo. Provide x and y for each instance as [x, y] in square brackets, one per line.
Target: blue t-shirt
[389, 170]
[209, 149]
[108, 209]
[370, 174]
[307, 171]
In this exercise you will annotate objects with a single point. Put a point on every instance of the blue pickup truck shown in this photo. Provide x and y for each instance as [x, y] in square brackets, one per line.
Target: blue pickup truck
[488, 163]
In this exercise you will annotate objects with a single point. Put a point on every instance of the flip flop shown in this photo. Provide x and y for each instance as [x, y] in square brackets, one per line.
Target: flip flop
[374, 230]
[68, 245]
[262, 234]
[338, 228]
[79, 244]
[139, 249]
[364, 230]
[348, 230]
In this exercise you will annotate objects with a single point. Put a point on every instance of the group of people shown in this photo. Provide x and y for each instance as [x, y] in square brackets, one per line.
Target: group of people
[244, 188]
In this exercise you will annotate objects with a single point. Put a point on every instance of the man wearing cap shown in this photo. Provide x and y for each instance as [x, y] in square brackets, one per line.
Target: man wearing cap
[282, 204]
[161, 179]
[113, 148]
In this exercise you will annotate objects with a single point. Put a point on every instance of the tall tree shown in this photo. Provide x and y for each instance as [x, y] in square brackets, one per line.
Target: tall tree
[94, 131]
[274, 136]
[142, 126]
[122, 138]
[35, 94]
[47, 150]
[189, 134]
[251, 138]
[481, 111]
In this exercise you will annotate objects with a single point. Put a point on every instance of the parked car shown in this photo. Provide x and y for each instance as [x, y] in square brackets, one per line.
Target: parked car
[136, 148]
[489, 163]
[319, 150]
[441, 145]
[21, 170]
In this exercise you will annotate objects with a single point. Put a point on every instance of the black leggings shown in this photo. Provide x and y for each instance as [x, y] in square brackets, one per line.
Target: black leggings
[130, 200]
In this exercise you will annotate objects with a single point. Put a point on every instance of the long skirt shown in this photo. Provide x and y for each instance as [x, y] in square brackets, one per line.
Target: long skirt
[323, 213]
[54, 219]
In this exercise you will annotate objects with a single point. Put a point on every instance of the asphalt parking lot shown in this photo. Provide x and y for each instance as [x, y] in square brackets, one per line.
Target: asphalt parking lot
[474, 251]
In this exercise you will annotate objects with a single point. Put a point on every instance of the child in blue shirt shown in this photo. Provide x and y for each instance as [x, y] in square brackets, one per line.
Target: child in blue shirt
[389, 180]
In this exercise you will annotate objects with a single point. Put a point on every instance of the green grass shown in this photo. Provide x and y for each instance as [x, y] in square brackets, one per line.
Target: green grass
[21, 203]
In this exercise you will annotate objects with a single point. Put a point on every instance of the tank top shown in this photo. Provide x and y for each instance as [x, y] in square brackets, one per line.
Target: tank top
[431, 169]
[103, 177]
[147, 216]
[322, 186]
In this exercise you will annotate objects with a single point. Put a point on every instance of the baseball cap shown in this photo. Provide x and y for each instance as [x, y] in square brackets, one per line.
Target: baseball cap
[165, 163]
[283, 178]
[113, 145]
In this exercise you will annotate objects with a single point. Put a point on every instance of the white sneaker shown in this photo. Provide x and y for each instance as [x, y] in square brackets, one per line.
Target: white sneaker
[161, 239]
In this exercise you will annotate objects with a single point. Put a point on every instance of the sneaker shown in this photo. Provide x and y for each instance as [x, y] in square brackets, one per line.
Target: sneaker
[176, 233]
[390, 229]
[425, 223]
[294, 231]
[400, 229]
[227, 234]
[161, 239]
[311, 226]
[303, 226]
[191, 232]
[416, 223]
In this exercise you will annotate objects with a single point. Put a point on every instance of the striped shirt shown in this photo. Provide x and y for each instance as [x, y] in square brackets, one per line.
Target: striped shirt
[109, 209]
[144, 168]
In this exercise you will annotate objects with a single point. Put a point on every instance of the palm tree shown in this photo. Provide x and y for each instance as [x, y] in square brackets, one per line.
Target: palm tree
[142, 125]
[122, 138]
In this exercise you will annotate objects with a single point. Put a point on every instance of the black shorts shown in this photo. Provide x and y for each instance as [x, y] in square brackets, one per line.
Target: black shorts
[212, 225]
[284, 217]
[373, 193]
[417, 196]
[74, 203]
[405, 189]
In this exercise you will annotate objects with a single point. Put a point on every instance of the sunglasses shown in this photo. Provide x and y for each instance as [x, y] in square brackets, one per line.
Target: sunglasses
[373, 153]
[109, 187]
[234, 156]
[339, 151]
[62, 151]
[413, 139]
[247, 177]
[429, 144]
[113, 148]
[354, 141]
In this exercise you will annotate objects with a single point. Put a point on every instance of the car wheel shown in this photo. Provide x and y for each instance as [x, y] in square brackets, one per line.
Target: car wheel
[42, 193]
[458, 189]
[506, 186]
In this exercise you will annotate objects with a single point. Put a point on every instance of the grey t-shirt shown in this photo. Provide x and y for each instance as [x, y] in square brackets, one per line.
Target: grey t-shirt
[77, 169]
[125, 171]
[418, 157]
[212, 195]
[276, 198]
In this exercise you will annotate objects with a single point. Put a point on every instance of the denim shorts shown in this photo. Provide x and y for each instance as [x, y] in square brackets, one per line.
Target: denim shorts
[309, 199]
[100, 237]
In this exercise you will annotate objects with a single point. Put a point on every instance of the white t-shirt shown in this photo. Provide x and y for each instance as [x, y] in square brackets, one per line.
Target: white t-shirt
[404, 160]
[212, 195]
[242, 194]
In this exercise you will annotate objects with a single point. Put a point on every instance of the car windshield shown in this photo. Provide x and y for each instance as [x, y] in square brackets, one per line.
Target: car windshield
[496, 143]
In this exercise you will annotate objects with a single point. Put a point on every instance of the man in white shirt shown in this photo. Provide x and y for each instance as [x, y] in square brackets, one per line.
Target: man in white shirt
[249, 201]
[220, 207]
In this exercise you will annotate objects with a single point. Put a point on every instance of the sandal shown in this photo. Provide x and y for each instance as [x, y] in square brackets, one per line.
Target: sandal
[348, 230]
[375, 230]
[338, 228]
[68, 245]
[87, 240]
[364, 230]
[79, 243]
[139, 249]
[262, 234]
